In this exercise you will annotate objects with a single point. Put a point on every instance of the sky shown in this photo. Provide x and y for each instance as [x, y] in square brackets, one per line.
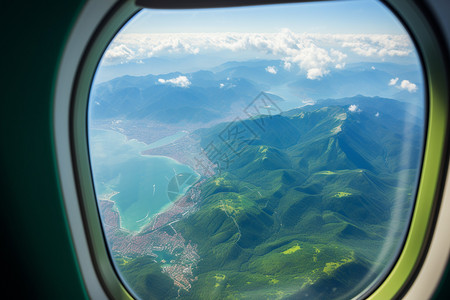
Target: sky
[363, 16]
[316, 38]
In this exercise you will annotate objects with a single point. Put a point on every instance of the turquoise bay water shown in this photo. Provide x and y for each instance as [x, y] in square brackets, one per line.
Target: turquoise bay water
[140, 180]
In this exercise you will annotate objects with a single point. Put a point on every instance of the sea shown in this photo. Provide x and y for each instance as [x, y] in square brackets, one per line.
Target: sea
[138, 184]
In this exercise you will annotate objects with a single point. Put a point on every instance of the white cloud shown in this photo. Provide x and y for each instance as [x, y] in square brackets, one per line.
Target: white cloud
[181, 81]
[271, 70]
[316, 73]
[311, 58]
[393, 81]
[353, 108]
[314, 54]
[404, 85]
[119, 52]
[287, 65]
[339, 57]
[306, 102]
[409, 86]
[377, 45]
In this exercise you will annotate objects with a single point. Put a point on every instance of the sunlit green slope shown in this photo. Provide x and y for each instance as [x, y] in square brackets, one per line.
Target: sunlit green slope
[306, 205]
[312, 203]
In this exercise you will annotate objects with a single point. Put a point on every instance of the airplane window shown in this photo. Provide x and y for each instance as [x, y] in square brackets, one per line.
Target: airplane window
[257, 152]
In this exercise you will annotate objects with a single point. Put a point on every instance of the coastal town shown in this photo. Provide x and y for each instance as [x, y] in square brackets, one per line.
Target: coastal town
[158, 238]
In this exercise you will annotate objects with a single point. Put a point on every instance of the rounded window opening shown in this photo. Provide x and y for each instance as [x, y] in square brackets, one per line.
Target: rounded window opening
[257, 152]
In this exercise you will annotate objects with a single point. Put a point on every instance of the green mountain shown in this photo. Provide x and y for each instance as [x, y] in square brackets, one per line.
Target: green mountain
[303, 203]
[145, 280]
[310, 203]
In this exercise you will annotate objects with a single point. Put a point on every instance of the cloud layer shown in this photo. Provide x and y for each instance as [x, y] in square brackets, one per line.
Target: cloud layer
[315, 54]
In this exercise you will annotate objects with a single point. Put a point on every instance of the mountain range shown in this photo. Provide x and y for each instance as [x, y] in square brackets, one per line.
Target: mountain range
[215, 94]
[310, 201]
[308, 204]
[302, 203]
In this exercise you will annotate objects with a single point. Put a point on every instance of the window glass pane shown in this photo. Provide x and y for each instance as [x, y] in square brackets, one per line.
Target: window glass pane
[257, 152]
